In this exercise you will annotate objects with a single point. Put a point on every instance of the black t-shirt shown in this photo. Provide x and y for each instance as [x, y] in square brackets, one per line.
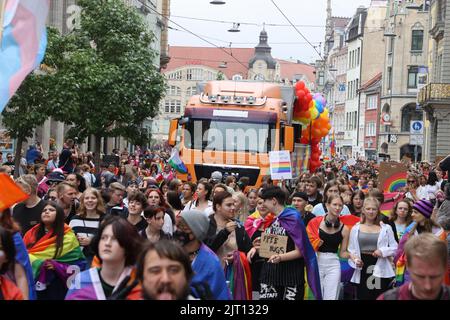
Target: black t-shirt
[141, 225]
[27, 218]
[286, 273]
[66, 161]
[107, 288]
[72, 213]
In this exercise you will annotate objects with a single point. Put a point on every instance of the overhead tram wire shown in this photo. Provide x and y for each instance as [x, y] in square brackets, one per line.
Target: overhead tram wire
[301, 34]
[247, 23]
[249, 43]
[196, 35]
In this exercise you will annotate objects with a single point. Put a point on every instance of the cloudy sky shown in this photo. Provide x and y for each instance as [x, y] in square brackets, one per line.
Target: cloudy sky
[309, 15]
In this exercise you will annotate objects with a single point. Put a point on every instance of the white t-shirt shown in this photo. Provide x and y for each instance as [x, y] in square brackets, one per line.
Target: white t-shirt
[191, 206]
[422, 193]
[319, 210]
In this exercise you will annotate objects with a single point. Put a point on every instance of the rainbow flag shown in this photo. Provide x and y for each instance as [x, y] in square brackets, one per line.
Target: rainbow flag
[240, 277]
[176, 162]
[44, 250]
[281, 167]
[10, 193]
[22, 45]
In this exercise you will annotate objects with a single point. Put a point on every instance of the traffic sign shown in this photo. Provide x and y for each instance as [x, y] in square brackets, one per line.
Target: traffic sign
[416, 139]
[416, 127]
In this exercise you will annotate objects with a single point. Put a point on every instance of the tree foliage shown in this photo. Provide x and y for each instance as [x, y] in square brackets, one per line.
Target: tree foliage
[106, 84]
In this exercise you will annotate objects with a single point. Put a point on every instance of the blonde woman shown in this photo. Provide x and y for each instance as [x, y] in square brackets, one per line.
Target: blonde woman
[241, 204]
[87, 221]
[371, 246]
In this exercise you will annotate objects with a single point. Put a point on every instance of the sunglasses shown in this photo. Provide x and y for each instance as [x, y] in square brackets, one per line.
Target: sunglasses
[411, 181]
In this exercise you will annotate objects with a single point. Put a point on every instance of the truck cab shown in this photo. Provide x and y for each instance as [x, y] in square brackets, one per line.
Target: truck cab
[231, 126]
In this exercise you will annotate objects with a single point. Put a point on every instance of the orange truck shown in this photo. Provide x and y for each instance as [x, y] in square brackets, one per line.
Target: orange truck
[231, 126]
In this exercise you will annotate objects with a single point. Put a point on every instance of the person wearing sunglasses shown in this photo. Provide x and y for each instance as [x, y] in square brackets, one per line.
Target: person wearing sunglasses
[412, 183]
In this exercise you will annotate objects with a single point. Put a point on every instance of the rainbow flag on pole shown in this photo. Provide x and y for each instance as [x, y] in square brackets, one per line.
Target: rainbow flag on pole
[23, 40]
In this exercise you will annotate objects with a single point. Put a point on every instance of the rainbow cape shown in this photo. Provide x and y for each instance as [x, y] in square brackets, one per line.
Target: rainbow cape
[255, 221]
[44, 250]
[313, 234]
[401, 274]
[239, 276]
[22, 45]
[87, 285]
[291, 221]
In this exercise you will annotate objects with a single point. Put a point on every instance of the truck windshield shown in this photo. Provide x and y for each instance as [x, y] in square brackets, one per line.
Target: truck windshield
[229, 136]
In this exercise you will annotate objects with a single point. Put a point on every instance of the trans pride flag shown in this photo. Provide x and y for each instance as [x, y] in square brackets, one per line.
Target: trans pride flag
[176, 162]
[23, 43]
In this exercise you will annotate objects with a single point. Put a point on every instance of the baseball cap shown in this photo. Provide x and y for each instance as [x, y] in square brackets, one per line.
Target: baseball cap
[55, 176]
[197, 222]
[216, 176]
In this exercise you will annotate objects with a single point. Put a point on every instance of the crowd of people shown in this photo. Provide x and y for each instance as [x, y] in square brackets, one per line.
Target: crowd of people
[133, 230]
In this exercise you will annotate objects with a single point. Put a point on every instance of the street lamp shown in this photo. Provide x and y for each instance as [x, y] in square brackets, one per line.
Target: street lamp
[217, 2]
[223, 65]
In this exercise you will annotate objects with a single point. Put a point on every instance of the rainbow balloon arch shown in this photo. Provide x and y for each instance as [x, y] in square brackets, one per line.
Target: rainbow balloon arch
[310, 111]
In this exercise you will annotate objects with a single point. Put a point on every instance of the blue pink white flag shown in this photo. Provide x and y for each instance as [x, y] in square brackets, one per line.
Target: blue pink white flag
[22, 45]
[176, 162]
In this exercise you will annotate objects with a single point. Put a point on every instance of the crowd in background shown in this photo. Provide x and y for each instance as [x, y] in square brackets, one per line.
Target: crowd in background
[131, 229]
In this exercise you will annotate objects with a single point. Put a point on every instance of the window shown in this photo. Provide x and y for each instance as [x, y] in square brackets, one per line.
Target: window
[417, 40]
[357, 57]
[409, 113]
[191, 91]
[174, 91]
[195, 74]
[172, 106]
[412, 77]
[175, 75]
[370, 129]
[389, 78]
[372, 102]
[321, 78]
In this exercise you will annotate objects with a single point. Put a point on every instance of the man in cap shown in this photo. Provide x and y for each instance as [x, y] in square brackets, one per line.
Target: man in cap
[216, 177]
[192, 230]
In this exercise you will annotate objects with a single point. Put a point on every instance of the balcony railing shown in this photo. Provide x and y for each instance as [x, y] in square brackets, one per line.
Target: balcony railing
[434, 92]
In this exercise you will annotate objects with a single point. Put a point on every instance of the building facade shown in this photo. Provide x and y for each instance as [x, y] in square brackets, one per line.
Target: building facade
[435, 96]
[406, 38]
[355, 34]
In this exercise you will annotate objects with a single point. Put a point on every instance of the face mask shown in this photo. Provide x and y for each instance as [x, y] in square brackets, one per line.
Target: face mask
[182, 237]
